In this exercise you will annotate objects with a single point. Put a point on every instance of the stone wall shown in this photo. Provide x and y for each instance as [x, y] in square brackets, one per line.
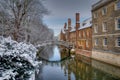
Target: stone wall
[111, 34]
[108, 57]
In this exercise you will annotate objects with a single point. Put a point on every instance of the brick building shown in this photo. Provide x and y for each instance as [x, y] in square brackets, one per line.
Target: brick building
[80, 35]
[106, 31]
[62, 36]
[85, 35]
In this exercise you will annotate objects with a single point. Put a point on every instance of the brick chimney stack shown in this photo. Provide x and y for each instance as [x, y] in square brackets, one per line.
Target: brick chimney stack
[69, 28]
[77, 28]
[77, 20]
[69, 22]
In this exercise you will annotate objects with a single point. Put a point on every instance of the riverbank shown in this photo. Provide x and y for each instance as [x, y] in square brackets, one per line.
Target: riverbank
[107, 57]
[84, 52]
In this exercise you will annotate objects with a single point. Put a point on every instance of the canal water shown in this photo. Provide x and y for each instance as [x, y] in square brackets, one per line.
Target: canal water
[58, 65]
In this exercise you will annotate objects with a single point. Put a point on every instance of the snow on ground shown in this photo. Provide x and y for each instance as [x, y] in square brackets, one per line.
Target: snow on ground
[14, 57]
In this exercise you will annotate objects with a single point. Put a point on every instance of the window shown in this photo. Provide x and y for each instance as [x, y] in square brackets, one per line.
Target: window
[104, 26]
[118, 42]
[118, 5]
[96, 42]
[95, 15]
[88, 33]
[87, 44]
[80, 34]
[96, 28]
[105, 42]
[84, 35]
[118, 24]
[104, 10]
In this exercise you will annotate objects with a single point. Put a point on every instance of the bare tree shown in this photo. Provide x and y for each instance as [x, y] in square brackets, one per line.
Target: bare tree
[24, 18]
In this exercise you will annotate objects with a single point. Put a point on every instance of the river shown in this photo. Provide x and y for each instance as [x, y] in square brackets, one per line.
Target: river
[58, 65]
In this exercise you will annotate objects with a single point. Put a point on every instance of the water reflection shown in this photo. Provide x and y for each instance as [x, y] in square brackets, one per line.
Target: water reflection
[46, 52]
[78, 68]
[53, 53]
[56, 56]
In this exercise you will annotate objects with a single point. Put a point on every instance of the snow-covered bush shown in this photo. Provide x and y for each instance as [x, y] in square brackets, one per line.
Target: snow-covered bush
[16, 58]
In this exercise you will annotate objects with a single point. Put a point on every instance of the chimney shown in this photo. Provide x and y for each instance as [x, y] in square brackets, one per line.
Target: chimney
[77, 21]
[69, 22]
[77, 28]
[65, 25]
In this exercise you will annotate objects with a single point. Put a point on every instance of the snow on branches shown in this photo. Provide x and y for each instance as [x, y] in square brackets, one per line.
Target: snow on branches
[16, 58]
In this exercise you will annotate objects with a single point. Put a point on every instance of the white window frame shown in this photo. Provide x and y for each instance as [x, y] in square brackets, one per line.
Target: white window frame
[105, 43]
[95, 15]
[116, 23]
[96, 42]
[116, 42]
[104, 10]
[104, 26]
[116, 7]
[95, 28]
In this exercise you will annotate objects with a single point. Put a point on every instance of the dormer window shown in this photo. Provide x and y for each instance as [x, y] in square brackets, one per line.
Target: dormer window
[83, 24]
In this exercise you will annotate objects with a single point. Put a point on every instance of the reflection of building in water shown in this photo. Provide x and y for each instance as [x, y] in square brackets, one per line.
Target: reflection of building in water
[83, 71]
[80, 34]
[64, 53]
[115, 71]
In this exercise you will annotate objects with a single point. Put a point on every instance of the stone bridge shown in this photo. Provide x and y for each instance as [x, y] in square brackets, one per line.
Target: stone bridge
[57, 42]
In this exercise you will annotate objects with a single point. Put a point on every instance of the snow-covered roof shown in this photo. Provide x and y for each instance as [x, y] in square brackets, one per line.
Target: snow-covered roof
[100, 3]
[73, 29]
[85, 24]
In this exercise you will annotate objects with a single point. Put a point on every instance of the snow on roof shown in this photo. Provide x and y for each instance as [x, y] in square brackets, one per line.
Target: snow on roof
[99, 3]
[86, 23]
[73, 29]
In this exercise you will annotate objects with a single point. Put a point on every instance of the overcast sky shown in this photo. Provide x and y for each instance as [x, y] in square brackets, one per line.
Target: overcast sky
[61, 10]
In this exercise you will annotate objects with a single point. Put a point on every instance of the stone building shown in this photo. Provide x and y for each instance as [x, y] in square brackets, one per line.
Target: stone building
[80, 35]
[106, 31]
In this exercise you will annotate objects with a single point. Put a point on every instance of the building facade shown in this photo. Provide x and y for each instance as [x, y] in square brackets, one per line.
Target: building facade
[85, 35]
[106, 31]
[80, 35]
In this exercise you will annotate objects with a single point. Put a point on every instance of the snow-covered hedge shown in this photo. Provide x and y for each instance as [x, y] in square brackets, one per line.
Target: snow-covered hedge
[16, 59]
